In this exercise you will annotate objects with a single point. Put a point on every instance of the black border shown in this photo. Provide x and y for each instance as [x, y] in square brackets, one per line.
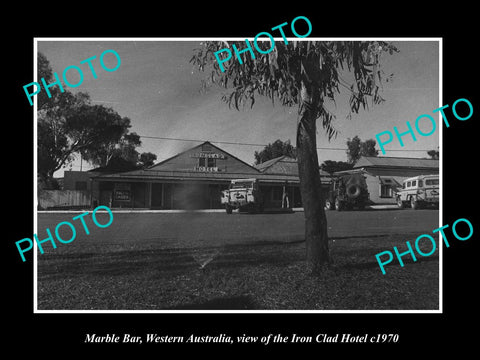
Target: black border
[58, 333]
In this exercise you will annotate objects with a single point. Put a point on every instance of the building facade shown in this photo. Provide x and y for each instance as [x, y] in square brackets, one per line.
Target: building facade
[384, 175]
[194, 179]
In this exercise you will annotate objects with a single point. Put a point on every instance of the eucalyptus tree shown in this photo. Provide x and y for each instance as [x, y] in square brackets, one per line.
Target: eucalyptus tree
[305, 74]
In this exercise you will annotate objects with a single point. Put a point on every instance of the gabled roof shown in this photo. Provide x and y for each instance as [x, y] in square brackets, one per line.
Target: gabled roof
[281, 169]
[159, 171]
[282, 165]
[157, 165]
[396, 162]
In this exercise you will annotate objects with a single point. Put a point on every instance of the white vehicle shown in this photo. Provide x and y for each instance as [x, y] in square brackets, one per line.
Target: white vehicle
[419, 191]
[242, 194]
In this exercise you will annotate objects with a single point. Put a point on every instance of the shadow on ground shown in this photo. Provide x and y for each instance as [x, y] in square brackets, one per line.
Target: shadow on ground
[168, 262]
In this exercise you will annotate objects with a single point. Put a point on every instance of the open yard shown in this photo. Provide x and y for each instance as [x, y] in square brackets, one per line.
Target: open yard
[146, 261]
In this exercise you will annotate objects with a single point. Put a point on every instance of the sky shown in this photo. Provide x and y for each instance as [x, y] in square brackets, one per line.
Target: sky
[159, 90]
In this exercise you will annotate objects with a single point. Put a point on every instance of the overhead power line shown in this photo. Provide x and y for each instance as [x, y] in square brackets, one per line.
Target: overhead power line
[249, 144]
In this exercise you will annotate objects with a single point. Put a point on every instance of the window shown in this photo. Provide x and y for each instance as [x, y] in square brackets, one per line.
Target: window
[414, 183]
[409, 184]
[431, 182]
[387, 186]
[386, 191]
[420, 183]
[207, 162]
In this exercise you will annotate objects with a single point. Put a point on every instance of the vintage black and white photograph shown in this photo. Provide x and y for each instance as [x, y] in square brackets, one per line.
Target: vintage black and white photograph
[225, 175]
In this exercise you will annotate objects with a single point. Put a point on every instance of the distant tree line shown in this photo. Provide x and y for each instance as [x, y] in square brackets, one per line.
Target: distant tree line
[434, 154]
[356, 148]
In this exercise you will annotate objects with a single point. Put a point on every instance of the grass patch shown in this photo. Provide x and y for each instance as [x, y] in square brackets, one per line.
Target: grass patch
[270, 276]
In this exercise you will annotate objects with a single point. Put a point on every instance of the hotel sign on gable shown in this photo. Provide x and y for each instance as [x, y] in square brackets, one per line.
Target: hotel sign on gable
[207, 169]
[209, 156]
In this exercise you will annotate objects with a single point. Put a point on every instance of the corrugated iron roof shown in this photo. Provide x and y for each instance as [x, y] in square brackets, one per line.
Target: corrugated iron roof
[149, 175]
[279, 170]
[383, 161]
[159, 164]
[266, 164]
[282, 165]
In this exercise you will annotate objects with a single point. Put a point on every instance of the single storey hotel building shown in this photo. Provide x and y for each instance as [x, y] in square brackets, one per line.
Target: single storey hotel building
[194, 179]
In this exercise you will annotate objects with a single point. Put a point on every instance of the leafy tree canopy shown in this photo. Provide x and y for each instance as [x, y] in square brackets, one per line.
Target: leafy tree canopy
[282, 73]
[357, 148]
[434, 154]
[274, 150]
[69, 124]
[147, 159]
[305, 74]
[331, 166]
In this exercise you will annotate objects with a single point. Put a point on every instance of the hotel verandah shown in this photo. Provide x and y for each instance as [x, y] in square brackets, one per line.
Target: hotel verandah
[195, 178]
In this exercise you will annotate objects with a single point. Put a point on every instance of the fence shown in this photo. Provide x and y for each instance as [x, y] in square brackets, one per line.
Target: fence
[63, 199]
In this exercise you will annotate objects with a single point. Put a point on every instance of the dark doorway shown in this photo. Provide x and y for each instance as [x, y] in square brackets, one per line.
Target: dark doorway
[157, 195]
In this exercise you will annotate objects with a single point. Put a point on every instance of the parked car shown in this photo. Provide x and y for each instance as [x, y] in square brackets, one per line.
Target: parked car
[242, 194]
[347, 192]
[419, 191]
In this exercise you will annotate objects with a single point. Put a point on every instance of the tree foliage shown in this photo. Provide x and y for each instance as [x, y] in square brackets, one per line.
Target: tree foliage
[279, 74]
[45, 71]
[434, 154]
[120, 155]
[306, 74]
[357, 148]
[146, 159]
[274, 150]
[331, 166]
[69, 124]
[123, 146]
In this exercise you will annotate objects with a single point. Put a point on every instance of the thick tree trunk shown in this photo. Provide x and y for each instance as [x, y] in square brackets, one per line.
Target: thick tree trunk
[316, 236]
